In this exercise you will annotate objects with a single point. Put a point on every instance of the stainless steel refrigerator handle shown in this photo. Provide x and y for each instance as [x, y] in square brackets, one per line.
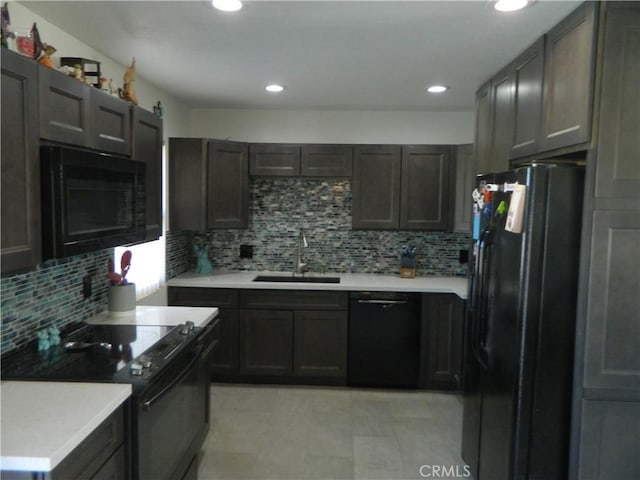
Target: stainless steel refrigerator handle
[148, 403]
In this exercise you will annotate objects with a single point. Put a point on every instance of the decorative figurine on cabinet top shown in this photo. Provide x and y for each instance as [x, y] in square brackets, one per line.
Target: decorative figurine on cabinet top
[6, 22]
[129, 91]
[158, 109]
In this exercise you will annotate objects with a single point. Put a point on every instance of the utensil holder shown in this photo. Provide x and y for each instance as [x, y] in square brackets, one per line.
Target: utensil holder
[121, 299]
[407, 273]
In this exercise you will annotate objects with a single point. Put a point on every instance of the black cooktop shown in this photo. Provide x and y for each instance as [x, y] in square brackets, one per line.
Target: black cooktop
[121, 344]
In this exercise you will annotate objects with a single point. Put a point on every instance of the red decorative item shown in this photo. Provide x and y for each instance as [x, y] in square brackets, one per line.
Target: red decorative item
[125, 264]
[25, 46]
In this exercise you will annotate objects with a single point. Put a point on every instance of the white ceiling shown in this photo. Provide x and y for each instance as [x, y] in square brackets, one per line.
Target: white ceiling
[334, 55]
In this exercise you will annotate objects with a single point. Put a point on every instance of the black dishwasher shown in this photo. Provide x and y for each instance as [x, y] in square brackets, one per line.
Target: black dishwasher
[384, 339]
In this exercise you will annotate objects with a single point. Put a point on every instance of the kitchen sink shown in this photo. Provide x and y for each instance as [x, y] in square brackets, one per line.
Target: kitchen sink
[290, 279]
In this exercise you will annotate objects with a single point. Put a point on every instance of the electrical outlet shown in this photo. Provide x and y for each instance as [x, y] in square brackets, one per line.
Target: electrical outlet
[86, 286]
[246, 251]
[463, 256]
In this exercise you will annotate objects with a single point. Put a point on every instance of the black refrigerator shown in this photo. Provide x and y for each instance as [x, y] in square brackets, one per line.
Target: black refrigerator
[520, 322]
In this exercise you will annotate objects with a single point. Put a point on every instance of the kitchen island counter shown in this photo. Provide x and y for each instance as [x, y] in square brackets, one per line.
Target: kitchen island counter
[166, 316]
[42, 422]
[348, 282]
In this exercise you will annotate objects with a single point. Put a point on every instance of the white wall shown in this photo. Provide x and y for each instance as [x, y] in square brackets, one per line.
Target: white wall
[174, 123]
[327, 126]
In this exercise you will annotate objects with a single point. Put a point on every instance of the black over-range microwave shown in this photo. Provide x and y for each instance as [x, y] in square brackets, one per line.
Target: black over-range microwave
[90, 201]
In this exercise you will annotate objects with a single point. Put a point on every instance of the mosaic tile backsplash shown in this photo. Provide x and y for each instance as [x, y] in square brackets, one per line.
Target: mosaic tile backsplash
[280, 207]
[51, 295]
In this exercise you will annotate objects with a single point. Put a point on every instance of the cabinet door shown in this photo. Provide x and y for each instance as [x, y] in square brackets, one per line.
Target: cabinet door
[618, 165]
[613, 308]
[20, 166]
[609, 440]
[187, 184]
[147, 147]
[266, 346]
[225, 358]
[528, 70]
[483, 133]
[110, 123]
[465, 175]
[326, 160]
[65, 113]
[274, 159]
[376, 187]
[442, 334]
[501, 119]
[227, 185]
[320, 344]
[426, 188]
[568, 79]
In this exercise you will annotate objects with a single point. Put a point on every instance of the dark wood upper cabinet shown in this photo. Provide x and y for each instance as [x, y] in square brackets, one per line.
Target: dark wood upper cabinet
[147, 147]
[208, 184]
[376, 186]
[568, 79]
[617, 157]
[426, 190]
[484, 129]
[187, 184]
[274, 159]
[65, 110]
[502, 119]
[227, 185]
[110, 123]
[528, 71]
[322, 160]
[20, 165]
[464, 178]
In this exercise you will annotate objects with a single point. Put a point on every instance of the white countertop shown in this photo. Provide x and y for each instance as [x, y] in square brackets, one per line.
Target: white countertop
[42, 422]
[348, 281]
[171, 316]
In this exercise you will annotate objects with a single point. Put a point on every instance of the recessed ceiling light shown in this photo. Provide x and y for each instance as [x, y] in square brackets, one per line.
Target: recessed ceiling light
[274, 88]
[227, 5]
[510, 5]
[437, 88]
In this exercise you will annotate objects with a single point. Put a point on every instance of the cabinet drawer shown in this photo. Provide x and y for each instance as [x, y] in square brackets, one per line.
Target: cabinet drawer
[291, 299]
[88, 457]
[114, 469]
[202, 297]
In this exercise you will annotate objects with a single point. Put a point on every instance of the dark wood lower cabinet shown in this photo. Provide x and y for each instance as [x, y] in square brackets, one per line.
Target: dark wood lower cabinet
[300, 337]
[266, 342]
[225, 357]
[101, 456]
[320, 344]
[442, 333]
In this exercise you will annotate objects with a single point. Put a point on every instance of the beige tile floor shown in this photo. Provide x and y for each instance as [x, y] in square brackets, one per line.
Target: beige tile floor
[281, 432]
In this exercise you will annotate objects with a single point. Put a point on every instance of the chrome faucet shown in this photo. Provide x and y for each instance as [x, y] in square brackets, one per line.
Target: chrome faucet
[301, 266]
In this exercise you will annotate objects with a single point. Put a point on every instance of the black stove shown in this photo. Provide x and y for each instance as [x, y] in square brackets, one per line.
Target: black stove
[168, 369]
[103, 353]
